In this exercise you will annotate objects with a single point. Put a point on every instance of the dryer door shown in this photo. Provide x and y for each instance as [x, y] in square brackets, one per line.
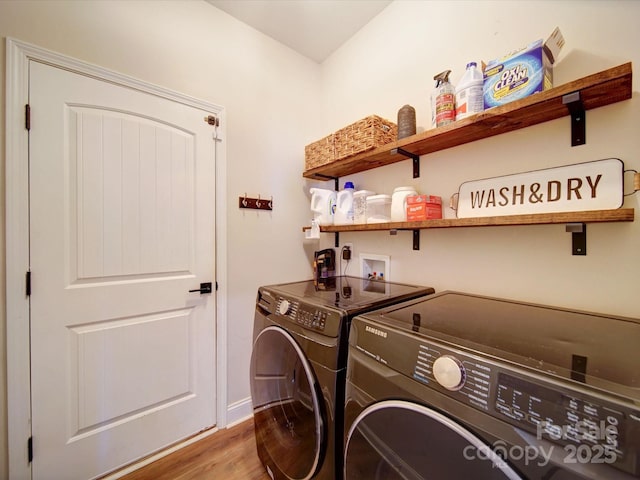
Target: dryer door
[402, 440]
[290, 430]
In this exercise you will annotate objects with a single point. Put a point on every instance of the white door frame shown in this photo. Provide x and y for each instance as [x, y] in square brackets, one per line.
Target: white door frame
[19, 54]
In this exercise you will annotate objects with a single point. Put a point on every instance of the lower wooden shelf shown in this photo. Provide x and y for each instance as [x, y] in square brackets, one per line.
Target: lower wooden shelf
[594, 216]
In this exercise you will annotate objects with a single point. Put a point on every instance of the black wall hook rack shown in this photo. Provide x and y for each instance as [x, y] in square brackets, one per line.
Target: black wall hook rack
[255, 203]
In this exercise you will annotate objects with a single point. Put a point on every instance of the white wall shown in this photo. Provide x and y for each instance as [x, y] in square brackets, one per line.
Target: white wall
[277, 102]
[269, 93]
[391, 62]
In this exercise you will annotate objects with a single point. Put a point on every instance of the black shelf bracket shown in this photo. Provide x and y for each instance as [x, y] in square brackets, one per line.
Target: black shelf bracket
[336, 180]
[415, 233]
[578, 237]
[578, 118]
[337, 240]
[412, 156]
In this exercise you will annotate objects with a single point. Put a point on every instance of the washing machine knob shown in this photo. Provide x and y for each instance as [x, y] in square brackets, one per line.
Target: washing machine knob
[284, 307]
[449, 372]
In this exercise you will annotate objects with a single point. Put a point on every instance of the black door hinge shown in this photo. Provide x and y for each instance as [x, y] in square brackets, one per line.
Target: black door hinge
[216, 286]
[28, 283]
[27, 117]
[30, 449]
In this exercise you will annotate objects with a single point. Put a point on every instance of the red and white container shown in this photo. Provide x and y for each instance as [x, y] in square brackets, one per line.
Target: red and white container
[423, 207]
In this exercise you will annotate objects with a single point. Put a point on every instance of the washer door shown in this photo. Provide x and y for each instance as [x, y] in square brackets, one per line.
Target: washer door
[286, 404]
[402, 440]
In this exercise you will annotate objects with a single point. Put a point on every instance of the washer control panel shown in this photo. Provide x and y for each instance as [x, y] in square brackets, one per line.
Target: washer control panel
[302, 314]
[288, 310]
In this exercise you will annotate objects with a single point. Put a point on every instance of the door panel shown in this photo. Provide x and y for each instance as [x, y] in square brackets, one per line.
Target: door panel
[122, 227]
[128, 223]
[112, 380]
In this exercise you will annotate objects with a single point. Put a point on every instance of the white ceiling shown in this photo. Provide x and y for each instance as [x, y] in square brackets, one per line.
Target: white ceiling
[314, 28]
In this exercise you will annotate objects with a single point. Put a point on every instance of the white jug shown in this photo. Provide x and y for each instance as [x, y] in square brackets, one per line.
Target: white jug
[323, 203]
[399, 203]
[344, 205]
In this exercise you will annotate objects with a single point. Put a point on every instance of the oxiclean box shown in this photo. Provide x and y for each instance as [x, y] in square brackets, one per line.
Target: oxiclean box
[521, 73]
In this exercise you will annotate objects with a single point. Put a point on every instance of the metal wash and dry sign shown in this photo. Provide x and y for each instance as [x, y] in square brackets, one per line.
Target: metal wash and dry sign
[596, 185]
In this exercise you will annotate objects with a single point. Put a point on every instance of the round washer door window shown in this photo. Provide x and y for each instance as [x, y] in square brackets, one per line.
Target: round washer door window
[286, 404]
[402, 440]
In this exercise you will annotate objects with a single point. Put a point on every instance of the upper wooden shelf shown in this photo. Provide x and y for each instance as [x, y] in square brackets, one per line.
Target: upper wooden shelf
[597, 90]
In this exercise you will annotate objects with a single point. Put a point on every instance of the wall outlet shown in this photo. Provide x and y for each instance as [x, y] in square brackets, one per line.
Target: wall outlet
[374, 266]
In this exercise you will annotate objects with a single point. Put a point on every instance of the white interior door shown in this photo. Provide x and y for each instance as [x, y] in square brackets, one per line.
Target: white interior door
[122, 227]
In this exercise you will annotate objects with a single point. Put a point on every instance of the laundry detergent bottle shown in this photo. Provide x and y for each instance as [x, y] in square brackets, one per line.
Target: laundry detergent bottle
[323, 203]
[344, 205]
[469, 99]
[443, 101]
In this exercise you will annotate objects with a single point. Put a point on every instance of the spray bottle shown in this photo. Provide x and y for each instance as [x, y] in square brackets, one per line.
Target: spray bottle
[443, 101]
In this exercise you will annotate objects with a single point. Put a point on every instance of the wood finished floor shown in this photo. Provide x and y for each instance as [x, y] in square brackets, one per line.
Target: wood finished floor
[228, 454]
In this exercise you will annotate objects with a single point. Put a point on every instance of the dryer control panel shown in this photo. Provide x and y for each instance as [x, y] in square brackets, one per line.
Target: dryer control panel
[589, 426]
[596, 428]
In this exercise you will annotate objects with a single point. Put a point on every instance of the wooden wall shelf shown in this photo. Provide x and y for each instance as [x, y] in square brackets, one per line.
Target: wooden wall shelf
[597, 90]
[594, 216]
[570, 219]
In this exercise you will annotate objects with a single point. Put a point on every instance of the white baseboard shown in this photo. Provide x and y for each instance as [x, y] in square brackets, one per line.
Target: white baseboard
[239, 411]
[157, 456]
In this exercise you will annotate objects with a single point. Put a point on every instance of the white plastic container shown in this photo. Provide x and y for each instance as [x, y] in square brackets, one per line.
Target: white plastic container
[399, 203]
[379, 209]
[322, 205]
[360, 205]
[344, 205]
[469, 99]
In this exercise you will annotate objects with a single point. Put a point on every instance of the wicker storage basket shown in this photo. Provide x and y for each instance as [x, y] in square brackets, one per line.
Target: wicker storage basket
[364, 135]
[320, 152]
